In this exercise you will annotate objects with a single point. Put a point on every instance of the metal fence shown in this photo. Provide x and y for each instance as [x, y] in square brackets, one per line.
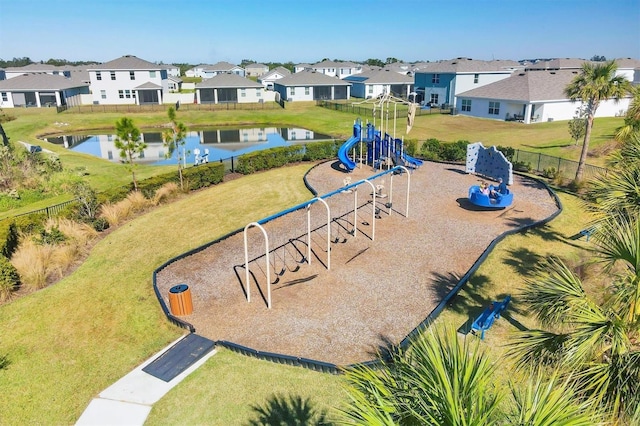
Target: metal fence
[229, 106]
[566, 168]
[368, 111]
[50, 211]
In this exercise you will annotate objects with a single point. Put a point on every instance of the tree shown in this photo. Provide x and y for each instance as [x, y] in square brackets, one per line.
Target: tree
[577, 125]
[374, 62]
[87, 198]
[174, 141]
[594, 84]
[595, 343]
[129, 143]
[391, 60]
[631, 119]
[598, 58]
[443, 380]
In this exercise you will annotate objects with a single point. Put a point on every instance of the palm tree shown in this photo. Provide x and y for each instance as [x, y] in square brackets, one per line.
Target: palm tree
[174, 140]
[444, 380]
[595, 83]
[632, 118]
[597, 344]
[129, 143]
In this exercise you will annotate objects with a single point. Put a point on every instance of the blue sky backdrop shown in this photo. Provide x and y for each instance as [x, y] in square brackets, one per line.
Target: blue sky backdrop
[208, 31]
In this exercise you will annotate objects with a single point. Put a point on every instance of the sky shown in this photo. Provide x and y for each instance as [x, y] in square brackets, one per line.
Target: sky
[209, 31]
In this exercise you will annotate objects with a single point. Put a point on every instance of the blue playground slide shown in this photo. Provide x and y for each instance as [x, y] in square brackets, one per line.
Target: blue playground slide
[414, 162]
[343, 153]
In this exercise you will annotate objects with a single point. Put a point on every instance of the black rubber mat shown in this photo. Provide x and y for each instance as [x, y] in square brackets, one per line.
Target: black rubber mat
[179, 357]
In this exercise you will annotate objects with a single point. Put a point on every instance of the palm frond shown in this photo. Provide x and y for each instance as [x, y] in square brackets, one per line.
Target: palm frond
[552, 292]
[550, 402]
[533, 349]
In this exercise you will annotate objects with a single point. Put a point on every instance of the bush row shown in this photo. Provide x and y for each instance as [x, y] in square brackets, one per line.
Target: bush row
[8, 238]
[433, 149]
[277, 157]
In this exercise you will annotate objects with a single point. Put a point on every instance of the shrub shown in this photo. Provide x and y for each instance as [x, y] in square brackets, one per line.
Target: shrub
[33, 263]
[115, 213]
[203, 175]
[31, 223]
[8, 238]
[9, 279]
[100, 224]
[321, 150]
[576, 186]
[507, 151]
[410, 146]
[51, 236]
[166, 191]
[522, 166]
[551, 173]
[138, 201]
[269, 159]
[456, 151]
[79, 233]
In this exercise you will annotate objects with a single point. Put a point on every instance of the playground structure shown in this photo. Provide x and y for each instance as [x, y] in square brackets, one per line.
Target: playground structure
[251, 276]
[490, 163]
[369, 146]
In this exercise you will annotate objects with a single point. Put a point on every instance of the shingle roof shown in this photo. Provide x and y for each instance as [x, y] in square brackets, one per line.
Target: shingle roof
[279, 70]
[333, 64]
[310, 78]
[557, 64]
[530, 86]
[385, 76]
[149, 85]
[227, 80]
[220, 66]
[628, 63]
[467, 65]
[39, 82]
[127, 62]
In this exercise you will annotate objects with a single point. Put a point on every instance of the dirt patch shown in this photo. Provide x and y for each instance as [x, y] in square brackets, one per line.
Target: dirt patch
[390, 263]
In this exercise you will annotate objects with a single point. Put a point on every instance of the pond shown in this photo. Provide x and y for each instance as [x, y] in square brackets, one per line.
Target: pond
[215, 144]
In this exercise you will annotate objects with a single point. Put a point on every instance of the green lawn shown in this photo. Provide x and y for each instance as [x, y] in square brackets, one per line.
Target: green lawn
[70, 341]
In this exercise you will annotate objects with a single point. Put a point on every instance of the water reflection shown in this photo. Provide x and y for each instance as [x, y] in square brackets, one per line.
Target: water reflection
[218, 143]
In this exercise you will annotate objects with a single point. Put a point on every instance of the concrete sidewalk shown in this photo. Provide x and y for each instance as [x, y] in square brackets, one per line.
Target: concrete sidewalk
[129, 400]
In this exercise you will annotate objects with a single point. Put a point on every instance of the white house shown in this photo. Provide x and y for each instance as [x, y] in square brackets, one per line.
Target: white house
[172, 70]
[39, 90]
[256, 69]
[531, 96]
[302, 67]
[229, 88]
[209, 71]
[128, 80]
[440, 82]
[196, 71]
[337, 69]
[311, 86]
[275, 74]
[371, 84]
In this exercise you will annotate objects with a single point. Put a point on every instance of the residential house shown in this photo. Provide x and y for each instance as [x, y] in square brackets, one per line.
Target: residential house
[439, 83]
[209, 71]
[196, 71]
[256, 70]
[530, 96]
[337, 69]
[229, 88]
[269, 78]
[172, 70]
[175, 84]
[128, 80]
[39, 90]
[311, 86]
[371, 84]
[302, 67]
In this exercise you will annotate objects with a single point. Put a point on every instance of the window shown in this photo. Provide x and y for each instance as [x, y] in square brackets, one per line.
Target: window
[121, 94]
[293, 91]
[103, 94]
[434, 99]
[243, 93]
[370, 87]
[306, 91]
[435, 78]
[5, 97]
[476, 77]
[258, 93]
[466, 105]
[127, 94]
[152, 74]
[494, 108]
[132, 75]
[113, 75]
[98, 75]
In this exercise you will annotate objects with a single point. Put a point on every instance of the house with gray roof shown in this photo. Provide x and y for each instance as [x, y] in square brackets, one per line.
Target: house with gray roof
[302, 67]
[529, 97]
[440, 82]
[229, 88]
[275, 74]
[39, 90]
[128, 80]
[371, 84]
[256, 69]
[222, 67]
[337, 69]
[311, 86]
